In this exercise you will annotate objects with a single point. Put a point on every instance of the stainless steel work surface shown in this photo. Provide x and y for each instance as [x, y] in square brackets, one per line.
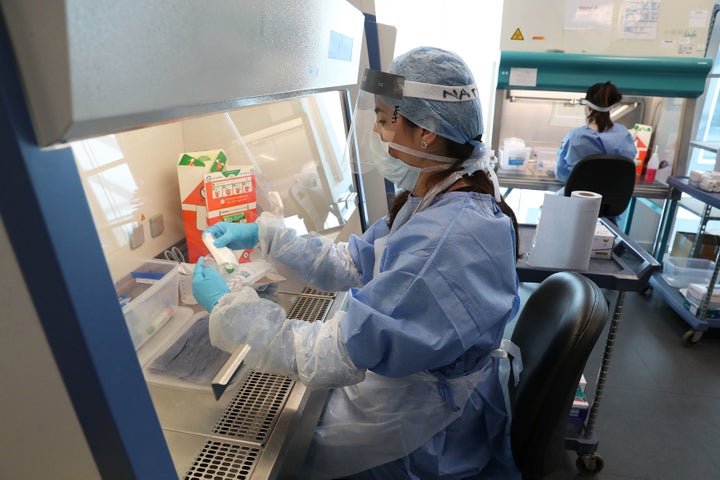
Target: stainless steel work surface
[532, 177]
[258, 427]
[261, 426]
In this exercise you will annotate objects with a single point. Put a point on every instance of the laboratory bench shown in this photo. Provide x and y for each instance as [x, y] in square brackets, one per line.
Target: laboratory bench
[702, 203]
[533, 177]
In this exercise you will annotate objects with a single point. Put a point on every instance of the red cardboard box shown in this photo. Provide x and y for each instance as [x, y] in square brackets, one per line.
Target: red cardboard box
[642, 134]
[192, 168]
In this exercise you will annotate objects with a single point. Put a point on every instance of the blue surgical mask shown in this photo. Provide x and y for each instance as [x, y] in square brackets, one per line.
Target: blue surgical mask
[400, 173]
[404, 176]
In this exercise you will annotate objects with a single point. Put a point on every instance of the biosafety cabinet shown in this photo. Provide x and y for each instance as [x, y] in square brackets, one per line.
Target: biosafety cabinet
[538, 101]
[99, 100]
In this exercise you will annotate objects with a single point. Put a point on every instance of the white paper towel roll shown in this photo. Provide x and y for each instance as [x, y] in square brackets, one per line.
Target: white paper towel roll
[564, 235]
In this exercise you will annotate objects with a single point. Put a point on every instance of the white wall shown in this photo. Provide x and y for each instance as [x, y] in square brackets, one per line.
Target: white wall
[469, 28]
[657, 27]
[130, 178]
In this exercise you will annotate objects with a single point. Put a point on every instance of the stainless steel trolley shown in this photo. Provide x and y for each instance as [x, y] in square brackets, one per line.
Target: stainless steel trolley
[699, 322]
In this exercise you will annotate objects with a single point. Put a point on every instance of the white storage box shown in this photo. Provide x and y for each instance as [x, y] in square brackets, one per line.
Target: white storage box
[514, 153]
[514, 158]
[679, 272]
[603, 242]
[149, 297]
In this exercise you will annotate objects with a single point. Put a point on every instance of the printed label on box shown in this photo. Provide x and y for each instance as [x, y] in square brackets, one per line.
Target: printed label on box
[231, 197]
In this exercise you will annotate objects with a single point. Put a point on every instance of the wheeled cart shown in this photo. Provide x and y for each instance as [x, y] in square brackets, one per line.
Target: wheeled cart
[698, 322]
[628, 270]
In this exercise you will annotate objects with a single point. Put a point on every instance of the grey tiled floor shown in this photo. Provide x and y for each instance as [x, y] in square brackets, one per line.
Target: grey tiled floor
[659, 417]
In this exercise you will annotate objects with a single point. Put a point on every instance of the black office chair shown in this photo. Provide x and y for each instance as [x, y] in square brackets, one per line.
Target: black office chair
[612, 176]
[556, 331]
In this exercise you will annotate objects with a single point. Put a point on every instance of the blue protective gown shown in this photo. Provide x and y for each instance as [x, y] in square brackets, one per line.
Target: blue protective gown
[583, 141]
[445, 290]
[416, 390]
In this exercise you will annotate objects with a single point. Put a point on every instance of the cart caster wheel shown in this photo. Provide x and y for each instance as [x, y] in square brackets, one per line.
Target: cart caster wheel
[691, 337]
[589, 464]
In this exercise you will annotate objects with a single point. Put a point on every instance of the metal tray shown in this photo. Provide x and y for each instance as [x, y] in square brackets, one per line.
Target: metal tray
[629, 268]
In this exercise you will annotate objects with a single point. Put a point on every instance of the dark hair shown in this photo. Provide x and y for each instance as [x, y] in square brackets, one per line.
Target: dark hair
[603, 95]
[479, 182]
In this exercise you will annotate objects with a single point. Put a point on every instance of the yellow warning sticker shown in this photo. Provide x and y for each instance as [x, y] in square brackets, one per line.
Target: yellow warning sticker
[517, 35]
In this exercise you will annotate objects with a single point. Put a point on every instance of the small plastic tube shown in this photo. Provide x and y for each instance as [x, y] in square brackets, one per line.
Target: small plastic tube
[223, 256]
[159, 321]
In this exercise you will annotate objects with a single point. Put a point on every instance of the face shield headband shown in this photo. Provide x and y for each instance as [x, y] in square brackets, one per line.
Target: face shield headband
[377, 108]
[587, 102]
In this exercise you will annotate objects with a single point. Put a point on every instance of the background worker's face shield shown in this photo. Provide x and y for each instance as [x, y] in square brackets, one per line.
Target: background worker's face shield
[374, 121]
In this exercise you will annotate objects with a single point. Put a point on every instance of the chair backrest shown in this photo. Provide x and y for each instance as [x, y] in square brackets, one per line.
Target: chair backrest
[612, 176]
[556, 331]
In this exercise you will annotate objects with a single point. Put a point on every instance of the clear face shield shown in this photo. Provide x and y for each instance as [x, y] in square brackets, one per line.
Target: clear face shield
[376, 133]
[374, 120]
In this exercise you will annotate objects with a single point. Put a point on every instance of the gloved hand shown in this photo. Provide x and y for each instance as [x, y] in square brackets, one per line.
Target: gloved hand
[237, 236]
[208, 286]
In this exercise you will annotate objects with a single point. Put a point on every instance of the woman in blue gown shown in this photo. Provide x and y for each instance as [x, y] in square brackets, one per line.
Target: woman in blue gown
[600, 135]
[412, 361]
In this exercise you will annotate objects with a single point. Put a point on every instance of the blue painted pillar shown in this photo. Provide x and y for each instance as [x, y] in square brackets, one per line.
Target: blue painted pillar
[53, 237]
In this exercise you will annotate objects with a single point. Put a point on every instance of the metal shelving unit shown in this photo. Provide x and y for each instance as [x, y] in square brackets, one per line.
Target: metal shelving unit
[698, 322]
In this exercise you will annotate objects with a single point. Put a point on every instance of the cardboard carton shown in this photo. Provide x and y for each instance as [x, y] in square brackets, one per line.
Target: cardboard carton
[603, 242]
[192, 168]
[641, 134]
[707, 247]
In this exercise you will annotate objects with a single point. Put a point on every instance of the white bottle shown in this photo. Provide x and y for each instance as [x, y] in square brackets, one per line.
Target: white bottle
[652, 167]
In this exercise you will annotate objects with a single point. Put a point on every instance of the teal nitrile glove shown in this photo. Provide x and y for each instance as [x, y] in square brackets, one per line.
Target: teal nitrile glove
[237, 236]
[208, 286]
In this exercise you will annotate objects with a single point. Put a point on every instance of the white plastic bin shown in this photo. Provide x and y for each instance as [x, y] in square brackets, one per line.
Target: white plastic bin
[679, 272]
[149, 295]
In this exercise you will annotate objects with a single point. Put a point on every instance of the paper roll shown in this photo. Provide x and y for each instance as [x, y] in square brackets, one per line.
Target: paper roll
[564, 235]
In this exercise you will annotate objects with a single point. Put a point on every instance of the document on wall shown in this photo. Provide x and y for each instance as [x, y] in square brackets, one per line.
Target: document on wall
[588, 14]
[640, 19]
[698, 19]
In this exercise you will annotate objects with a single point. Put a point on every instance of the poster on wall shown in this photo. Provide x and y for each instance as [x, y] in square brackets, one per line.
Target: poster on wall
[588, 14]
[640, 19]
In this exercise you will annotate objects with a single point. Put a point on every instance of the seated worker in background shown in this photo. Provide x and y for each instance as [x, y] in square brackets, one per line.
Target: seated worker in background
[600, 135]
[411, 362]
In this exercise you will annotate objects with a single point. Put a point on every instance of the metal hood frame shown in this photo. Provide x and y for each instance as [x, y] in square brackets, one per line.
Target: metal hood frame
[681, 77]
[93, 67]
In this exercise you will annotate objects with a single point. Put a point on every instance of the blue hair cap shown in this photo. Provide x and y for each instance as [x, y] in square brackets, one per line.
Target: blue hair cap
[458, 121]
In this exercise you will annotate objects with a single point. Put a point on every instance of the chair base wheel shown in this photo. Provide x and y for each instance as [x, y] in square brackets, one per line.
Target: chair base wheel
[691, 337]
[589, 464]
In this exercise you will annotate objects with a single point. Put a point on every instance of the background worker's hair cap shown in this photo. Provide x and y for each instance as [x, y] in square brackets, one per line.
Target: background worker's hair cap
[459, 121]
